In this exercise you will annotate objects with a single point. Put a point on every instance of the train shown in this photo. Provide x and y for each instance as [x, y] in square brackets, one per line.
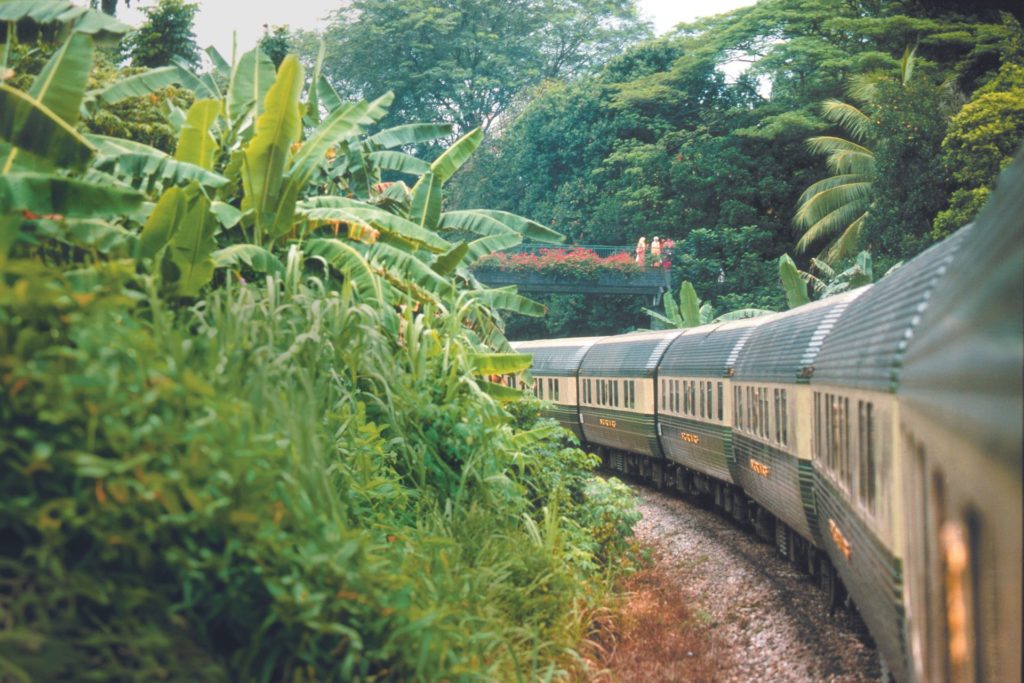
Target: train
[875, 437]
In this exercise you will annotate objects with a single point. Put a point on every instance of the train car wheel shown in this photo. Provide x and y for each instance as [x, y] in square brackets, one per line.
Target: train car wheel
[832, 586]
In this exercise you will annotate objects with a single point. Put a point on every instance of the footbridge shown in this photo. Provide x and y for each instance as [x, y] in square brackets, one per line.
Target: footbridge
[576, 269]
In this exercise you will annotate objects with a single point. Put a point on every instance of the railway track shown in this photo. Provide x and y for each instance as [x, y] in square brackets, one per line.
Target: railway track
[770, 619]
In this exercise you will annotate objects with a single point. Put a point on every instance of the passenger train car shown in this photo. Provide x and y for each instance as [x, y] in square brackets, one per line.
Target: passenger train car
[875, 437]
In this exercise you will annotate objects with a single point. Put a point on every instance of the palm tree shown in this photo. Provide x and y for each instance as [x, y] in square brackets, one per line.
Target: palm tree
[832, 210]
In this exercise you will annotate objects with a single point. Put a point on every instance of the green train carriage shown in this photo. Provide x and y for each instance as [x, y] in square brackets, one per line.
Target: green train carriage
[856, 461]
[555, 370]
[771, 418]
[960, 429]
[694, 412]
[617, 400]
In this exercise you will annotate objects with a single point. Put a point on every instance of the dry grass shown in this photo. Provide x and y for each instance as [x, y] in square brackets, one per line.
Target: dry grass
[655, 634]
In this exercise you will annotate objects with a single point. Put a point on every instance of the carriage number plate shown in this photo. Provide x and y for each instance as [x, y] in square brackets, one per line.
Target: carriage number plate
[607, 423]
[689, 438]
[760, 468]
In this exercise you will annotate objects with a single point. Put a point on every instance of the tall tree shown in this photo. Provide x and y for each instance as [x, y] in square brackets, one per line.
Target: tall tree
[464, 61]
[168, 32]
[981, 141]
[275, 42]
[108, 6]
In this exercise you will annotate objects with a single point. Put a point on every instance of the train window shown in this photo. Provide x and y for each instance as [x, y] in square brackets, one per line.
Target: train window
[539, 391]
[737, 407]
[751, 410]
[766, 424]
[686, 399]
[778, 429]
[866, 432]
[702, 399]
[721, 402]
[632, 393]
[675, 395]
[663, 402]
[830, 434]
[707, 389]
[841, 441]
[784, 419]
[816, 441]
[615, 393]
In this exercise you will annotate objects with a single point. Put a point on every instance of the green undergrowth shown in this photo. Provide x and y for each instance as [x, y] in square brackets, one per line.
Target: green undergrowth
[277, 482]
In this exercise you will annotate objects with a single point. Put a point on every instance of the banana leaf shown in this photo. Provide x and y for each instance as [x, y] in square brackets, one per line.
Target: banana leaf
[399, 162]
[489, 223]
[42, 194]
[445, 166]
[196, 144]
[409, 134]
[426, 201]
[256, 258]
[349, 262]
[139, 85]
[251, 80]
[507, 299]
[796, 288]
[30, 126]
[446, 263]
[500, 363]
[266, 155]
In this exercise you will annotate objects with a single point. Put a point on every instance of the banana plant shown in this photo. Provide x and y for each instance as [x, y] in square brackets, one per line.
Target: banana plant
[43, 185]
[691, 312]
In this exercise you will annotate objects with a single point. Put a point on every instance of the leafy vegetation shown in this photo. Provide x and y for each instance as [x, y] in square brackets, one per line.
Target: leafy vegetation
[465, 63]
[673, 139]
[250, 432]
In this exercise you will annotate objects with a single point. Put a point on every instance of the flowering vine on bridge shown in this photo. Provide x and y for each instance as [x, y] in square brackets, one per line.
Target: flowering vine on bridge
[576, 262]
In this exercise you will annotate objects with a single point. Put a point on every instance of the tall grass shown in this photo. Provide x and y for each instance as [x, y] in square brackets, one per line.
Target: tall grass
[279, 483]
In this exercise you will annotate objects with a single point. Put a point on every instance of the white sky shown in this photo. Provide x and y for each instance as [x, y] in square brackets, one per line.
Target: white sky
[218, 18]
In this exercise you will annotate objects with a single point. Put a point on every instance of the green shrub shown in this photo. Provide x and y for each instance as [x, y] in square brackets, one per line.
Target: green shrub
[275, 484]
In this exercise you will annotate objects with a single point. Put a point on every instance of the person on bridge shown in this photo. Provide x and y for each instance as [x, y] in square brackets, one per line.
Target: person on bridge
[641, 251]
[666, 249]
[655, 252]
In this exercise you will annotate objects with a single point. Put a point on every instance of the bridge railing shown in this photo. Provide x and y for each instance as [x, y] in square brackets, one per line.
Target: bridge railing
[598, 269]
[601, 250]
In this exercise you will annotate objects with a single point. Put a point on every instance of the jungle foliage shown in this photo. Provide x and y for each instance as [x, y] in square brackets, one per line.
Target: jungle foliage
[465, 62]
[674, 138]
[249, 432]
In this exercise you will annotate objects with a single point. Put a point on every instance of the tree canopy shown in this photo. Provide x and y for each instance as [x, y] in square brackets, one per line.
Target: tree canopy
[704, 132]
[464, 61]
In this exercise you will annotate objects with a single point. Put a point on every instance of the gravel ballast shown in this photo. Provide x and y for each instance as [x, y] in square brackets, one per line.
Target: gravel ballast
[765, 621]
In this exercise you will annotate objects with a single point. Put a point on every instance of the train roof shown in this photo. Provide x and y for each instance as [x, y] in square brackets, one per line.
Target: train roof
[559, 357]
[785, 347]
[709, 350]
[866, 348]
[965, 363]
[627, 355]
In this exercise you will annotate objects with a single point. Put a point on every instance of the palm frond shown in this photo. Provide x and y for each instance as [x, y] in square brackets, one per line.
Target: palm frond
[844, 156]
[849, 117]
[826, 202]
[846, 244]
[829, 183]
[835, 224]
